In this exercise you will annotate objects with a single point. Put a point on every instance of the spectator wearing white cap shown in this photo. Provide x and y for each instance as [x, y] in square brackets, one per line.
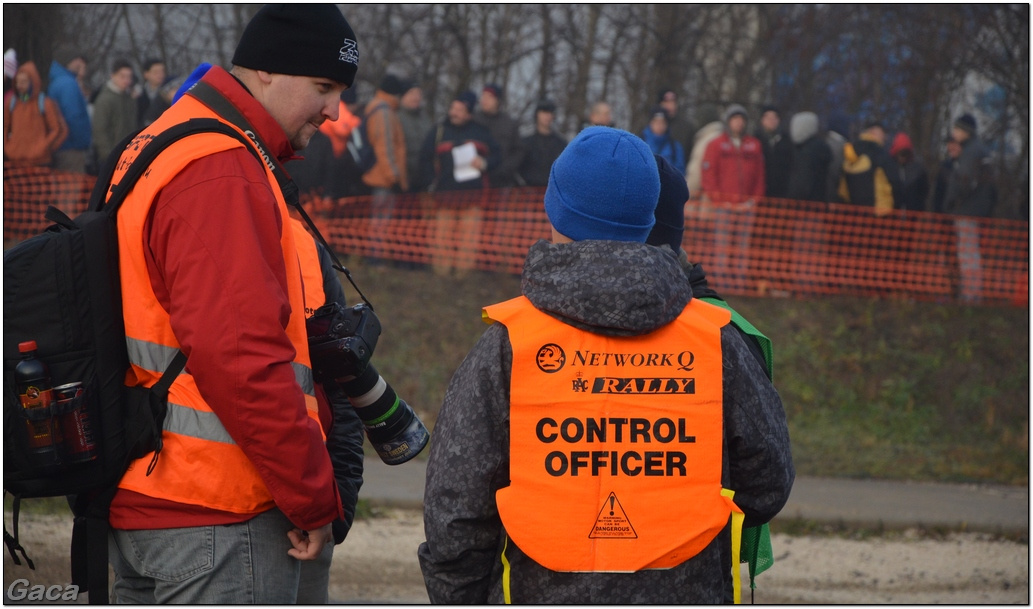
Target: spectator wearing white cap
[10, 69]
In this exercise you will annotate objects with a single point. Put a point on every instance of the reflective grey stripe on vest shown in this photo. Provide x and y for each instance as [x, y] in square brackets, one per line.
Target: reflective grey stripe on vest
[303, 374]
[156, 358]
[182, 419]
[186, 421]
[150, 356]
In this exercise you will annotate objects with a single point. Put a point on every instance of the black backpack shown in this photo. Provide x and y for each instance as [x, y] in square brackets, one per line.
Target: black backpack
[62, 289]
[359, 146]
[361, 149]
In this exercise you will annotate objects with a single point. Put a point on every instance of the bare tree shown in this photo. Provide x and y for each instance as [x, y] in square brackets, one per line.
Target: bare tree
[911, 66]
[33, 31]
[1001, 53]
[578, 29]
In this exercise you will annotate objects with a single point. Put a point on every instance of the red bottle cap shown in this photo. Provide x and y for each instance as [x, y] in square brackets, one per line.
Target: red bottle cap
[29, 345]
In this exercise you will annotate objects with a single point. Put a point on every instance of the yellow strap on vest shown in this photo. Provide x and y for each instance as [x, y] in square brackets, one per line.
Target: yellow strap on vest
[737, 520]
[506, 593]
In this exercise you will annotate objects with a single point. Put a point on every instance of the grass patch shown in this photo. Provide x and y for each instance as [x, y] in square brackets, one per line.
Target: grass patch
[872, 389]
[854, 532]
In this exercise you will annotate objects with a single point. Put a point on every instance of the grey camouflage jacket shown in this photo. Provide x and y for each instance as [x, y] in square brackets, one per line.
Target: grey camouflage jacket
[611, 288]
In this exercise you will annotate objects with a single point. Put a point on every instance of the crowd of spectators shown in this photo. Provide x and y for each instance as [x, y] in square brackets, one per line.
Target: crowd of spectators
[68, 127]
[478, 145]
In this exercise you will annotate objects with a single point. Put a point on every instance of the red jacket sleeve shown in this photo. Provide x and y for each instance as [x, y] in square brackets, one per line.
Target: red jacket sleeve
[217, 267]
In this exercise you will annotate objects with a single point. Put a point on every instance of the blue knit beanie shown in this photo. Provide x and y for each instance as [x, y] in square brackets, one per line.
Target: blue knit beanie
[604, 185]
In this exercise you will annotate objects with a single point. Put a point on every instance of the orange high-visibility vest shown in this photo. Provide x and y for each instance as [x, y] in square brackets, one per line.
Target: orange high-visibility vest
[615, 442]
[311, 270]
[200, 464]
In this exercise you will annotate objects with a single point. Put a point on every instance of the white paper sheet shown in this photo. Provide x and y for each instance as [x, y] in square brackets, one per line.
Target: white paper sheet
[462, 161]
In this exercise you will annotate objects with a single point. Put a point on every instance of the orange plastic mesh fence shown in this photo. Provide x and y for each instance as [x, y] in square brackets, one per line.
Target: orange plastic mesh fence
[28, 191]
[769, 248]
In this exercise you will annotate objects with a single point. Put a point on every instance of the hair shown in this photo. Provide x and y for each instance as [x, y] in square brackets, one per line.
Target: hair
[147, 65]
[120, 63]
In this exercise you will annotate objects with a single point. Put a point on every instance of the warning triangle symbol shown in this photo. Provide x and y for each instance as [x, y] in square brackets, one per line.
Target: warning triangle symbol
[612, 522]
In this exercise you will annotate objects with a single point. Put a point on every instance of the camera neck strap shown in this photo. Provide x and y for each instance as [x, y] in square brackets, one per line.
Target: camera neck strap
[211, 97]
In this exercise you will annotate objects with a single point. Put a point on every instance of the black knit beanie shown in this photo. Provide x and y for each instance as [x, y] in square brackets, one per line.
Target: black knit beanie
[670, 206]
[300, 40]
[966, 122]
[392, 85]
[469, 99]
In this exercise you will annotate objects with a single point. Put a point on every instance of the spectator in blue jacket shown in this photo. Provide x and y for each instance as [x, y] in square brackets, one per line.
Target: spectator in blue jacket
[658, 136]
[65, 91]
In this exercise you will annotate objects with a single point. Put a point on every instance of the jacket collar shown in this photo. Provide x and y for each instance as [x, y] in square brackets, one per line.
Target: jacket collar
[268, 129]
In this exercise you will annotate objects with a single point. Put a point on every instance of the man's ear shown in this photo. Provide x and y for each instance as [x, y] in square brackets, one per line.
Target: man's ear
[558, 237]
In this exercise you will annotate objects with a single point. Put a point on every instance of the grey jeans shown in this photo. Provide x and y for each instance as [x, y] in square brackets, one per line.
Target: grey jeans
[314, 583]
[245, 563]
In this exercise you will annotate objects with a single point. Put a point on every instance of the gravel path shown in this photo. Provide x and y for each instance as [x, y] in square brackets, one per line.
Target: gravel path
[377, 564]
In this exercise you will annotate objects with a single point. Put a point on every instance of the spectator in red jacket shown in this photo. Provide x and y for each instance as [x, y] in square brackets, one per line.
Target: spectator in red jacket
[733, 165]
[733, 177]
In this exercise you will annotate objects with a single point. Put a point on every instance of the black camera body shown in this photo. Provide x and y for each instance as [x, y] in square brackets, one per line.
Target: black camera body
[341, 340]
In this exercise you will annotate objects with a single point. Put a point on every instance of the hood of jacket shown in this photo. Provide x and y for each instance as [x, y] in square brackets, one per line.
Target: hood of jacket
[613, 288]
[901, 142]
[56, 70]
[803, 126]
[35, 82]
[709, 131]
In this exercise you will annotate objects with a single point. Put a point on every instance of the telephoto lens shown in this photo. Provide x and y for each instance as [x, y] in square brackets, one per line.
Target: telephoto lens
[392, 426]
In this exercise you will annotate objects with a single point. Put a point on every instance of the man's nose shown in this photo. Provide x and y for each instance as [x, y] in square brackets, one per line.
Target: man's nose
[333, 109]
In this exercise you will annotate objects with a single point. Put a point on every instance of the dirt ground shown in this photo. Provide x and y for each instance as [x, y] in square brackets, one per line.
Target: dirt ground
[377, 564]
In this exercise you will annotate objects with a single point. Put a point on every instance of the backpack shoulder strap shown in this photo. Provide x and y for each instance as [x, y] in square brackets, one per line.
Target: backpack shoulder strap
[376, 108]
[99, 197]
[41, 99]
[158, 145]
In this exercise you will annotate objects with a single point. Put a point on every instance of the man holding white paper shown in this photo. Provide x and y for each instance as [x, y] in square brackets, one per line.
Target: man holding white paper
[457, 156]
